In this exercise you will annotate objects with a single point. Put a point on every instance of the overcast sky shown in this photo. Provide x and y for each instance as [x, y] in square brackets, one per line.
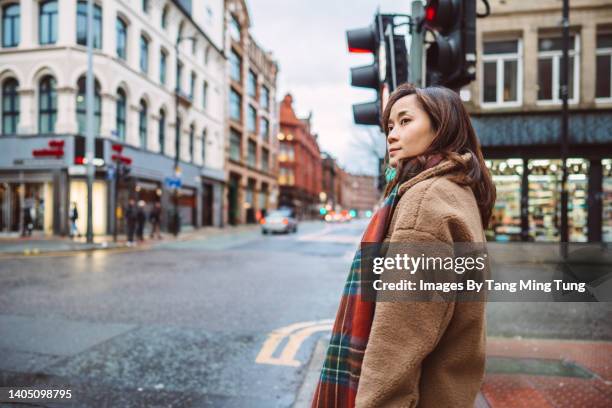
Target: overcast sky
[308, 39]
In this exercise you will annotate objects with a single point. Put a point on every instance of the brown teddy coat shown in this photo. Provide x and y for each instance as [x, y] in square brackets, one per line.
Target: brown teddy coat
[427, 354]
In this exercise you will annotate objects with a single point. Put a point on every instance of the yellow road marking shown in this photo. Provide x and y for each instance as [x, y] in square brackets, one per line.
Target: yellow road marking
[297, 332]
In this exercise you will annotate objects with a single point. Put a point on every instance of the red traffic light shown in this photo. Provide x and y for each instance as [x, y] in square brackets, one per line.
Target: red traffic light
[362, 40]
[441, 14]
[430, 11]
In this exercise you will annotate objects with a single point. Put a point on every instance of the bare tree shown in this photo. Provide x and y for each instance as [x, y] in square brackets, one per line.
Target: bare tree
[370, 142]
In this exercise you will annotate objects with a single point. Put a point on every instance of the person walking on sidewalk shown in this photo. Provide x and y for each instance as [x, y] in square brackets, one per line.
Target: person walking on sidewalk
[28, 219]
[155, 219]
[439, 191]
[141, 218]
[130, 221]
[74, 216]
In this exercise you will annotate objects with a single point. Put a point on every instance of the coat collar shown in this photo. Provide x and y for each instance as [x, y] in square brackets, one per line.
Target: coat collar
[442, 168]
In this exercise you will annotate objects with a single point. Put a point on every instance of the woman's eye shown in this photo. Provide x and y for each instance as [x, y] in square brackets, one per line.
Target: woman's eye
[404, 121]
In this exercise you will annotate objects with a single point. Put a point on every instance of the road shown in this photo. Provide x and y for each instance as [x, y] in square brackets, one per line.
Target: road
[226, 321]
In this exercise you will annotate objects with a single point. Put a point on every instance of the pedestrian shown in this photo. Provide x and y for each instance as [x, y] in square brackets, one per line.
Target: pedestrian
[416, 353]
[130, 221]
[155, 219]
[28, 221]
[140, 220]
[74, 216]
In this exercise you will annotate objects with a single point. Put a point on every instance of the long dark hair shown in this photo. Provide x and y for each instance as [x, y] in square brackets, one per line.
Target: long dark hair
[454, 136]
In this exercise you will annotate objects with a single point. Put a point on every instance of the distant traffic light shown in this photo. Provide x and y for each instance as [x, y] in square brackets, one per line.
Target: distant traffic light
[389, 67]
[451, 58]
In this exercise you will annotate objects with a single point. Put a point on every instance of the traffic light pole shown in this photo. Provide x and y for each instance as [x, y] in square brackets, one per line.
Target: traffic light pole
[89, 137]
[416, 44]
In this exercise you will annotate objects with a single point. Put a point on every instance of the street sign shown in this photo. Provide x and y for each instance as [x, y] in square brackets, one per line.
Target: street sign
[110, 173]
[173, 182]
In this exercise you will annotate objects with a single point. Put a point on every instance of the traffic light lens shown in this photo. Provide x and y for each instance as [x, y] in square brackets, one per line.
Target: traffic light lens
[430, 14]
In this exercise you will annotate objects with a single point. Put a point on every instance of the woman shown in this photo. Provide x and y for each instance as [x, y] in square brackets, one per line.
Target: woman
[416, 354]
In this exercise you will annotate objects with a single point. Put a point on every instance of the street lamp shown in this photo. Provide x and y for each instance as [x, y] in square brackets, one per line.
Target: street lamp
[177, 137]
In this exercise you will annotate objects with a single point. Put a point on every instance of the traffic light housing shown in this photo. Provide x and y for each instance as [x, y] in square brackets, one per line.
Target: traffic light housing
[451, 58]
[389, 68]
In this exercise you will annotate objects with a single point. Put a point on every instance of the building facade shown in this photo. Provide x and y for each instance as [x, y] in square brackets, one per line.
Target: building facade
[251, 169]
[333, 180]
[361, 193]
[145, 95]
[299, 161]
[516, 111]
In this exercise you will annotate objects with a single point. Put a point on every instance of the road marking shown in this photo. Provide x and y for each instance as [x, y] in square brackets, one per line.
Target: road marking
[297, 333]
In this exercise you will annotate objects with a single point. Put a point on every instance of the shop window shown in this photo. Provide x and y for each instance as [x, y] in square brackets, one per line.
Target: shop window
[505, 222]
[607, 200]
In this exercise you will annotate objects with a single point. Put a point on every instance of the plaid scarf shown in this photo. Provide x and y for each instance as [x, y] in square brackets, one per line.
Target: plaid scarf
[337, 387]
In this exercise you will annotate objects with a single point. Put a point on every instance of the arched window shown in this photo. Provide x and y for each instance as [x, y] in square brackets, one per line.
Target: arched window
[121, 27]
[164, 17]
[47, 105]
[121, 113]
[204, 141]
[47, 22]
[82, 24]
[161, 135]
[191, 137]
[10, 106]
[10, 25]
[142, 124]
[82, 106]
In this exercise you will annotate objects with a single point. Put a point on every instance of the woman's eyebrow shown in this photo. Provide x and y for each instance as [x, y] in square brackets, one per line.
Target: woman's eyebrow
[404, 112]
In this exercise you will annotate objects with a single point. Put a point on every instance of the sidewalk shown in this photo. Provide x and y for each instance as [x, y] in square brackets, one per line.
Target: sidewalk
[520, 372]
[15, 245]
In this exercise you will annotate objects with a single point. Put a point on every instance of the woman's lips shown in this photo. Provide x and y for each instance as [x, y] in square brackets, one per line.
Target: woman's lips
[393, 151]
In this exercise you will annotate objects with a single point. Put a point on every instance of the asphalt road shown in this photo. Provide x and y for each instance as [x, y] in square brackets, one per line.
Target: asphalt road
[228, 321]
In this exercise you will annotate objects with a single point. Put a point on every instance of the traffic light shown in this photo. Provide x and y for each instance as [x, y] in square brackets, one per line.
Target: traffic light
[389, 68]
[451, 58]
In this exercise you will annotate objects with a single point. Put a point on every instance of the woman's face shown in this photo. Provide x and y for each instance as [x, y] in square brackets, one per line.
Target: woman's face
[409, 132]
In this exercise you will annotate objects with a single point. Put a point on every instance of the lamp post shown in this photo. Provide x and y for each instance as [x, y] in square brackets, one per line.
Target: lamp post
[89, 138]
[177, 133]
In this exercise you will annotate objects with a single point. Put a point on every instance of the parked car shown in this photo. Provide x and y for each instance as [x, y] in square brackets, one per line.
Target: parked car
[278, 221]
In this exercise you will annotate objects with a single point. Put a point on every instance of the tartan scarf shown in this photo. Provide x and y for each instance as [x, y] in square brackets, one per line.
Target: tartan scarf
[337, 386]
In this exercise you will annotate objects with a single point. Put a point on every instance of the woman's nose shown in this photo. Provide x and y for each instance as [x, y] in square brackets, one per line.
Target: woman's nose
[391, 137]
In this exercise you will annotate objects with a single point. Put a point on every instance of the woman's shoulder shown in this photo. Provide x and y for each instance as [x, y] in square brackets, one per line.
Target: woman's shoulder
[435, 205]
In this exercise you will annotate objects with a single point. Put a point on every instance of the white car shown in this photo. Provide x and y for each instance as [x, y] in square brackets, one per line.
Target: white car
[278, 221]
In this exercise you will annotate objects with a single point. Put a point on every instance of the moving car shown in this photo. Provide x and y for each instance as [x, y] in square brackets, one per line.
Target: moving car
[278, 221]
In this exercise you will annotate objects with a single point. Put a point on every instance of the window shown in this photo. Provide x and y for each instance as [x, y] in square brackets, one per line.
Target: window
[82, 106]
[142, 124]
[264, 128]
[285, 152]
[82, 24]
[144, 54]
[235, 105]
[47, 22]
[234, 28]
[145, 6]
[603, 83]
[164, 17]
[235, 66]
[192, 85]
[265, 159]
[121, 38]
[47, 105]
[161, 131]
[549, 69]
[204, 142]
[121, 110]
[163, 58]
[252, 84]
[204, 94]
[502, 72]
[252, 120]
[10, 106]
[252, 153]
[179, 76]
[10, 25]
[191, 141]
[285, 176]
[235, 145]
[264, 98]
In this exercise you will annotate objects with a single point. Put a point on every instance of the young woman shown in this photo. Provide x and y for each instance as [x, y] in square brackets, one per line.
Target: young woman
[416, 354]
